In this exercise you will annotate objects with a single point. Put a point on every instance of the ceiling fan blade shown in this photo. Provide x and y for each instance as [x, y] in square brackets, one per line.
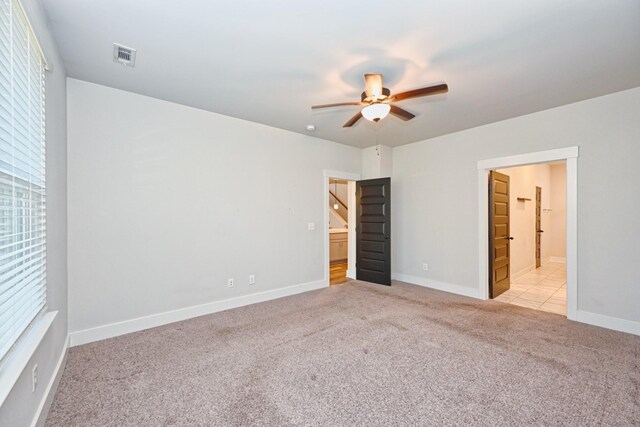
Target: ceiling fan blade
[352, 121]
[339, 104]
[431, 90]
[400, 113]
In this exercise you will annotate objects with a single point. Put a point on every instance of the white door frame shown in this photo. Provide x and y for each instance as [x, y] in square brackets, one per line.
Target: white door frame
[570, 155]
[351, 234]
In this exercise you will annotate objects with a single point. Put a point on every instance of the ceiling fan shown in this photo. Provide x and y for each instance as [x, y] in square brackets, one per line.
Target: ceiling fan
[377, 100]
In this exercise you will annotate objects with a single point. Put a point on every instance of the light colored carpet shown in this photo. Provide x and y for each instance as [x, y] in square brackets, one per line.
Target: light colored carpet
[357, 354]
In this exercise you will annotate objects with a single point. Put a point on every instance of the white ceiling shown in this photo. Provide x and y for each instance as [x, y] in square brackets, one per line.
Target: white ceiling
[268, 62]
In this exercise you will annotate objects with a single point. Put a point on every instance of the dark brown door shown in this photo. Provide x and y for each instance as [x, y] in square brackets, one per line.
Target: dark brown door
[538, 224]
[499, 238]
[373, 230]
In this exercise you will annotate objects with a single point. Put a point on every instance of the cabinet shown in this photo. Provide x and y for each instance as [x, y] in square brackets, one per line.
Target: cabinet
[338, 246]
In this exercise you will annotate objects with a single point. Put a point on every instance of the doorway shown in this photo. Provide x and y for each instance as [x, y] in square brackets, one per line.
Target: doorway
[348, 238]
[369, 212]
[570, 156]
[527, 226]
[338, 230]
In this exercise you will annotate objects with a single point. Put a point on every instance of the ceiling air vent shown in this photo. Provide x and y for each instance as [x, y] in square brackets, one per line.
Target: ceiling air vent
[124, 55]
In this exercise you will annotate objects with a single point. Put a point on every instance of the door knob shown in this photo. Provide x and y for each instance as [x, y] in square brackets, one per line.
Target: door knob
[509, 238]
[540, 231]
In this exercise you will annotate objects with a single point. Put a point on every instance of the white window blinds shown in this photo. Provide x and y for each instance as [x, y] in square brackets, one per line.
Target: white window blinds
[22, 176]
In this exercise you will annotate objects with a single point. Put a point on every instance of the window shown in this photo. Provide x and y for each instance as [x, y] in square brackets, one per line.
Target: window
[22, 176]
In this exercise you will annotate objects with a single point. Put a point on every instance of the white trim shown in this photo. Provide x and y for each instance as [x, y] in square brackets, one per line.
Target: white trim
[572, 238]
[595, 319]
[615, 323]
[20, 356]
[569, 154]
[559, 259]
[440, 286]
[141, 323]
[47, 399]
[529, 158]
[351, 233]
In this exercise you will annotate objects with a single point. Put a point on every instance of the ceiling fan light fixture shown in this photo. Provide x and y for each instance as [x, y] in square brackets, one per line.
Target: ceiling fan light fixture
[376, 112]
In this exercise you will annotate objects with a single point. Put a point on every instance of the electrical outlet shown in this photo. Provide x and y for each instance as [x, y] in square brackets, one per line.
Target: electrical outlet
[34, 378]
[252, 279]
[425, 267]
[311, 226]
[230, 283]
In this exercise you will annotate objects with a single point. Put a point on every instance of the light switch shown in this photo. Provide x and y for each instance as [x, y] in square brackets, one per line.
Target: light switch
[311, 226]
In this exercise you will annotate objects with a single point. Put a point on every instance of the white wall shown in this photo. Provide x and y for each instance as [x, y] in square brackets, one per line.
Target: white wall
[166, 202]
[435, 200]
[371, 162]
[377, 162]
[558, 215]
[22, 405]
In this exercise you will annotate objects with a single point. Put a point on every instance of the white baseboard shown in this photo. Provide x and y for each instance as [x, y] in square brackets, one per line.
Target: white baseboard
[608, 322]
[434, 284]
[522, 272]
[617, 324]
[562, 260]
[141, 323]
[47, 399]
[351, 274]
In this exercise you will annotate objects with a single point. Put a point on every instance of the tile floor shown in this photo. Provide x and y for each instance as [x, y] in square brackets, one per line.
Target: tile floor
[544, 288]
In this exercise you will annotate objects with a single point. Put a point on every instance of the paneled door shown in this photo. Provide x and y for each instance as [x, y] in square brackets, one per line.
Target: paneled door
[499, 237]
[538, 224]
[373, 230]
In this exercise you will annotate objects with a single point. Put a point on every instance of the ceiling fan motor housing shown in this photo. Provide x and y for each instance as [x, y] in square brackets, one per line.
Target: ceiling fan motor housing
[385, 94]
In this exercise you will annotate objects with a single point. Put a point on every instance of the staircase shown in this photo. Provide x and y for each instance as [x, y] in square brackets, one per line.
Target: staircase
[342, 211]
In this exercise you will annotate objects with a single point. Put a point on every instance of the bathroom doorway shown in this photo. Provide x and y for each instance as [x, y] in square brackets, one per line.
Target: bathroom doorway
[527, 218]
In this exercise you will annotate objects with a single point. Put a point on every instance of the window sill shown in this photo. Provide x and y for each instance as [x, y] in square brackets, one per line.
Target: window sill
[18, 359]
